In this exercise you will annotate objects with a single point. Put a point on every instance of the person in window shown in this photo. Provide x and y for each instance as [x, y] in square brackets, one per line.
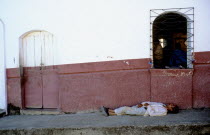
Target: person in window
[179, 56]
[158, 54]
[144, 109]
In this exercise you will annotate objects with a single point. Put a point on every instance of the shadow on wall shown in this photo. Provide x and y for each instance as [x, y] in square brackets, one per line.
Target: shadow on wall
[13, 110]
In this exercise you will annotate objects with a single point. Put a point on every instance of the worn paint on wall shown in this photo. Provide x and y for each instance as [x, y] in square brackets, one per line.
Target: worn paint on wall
[14, 92]
[89, 91]
[87, 86]
[87, 32]
[201, 80]
[172, 86]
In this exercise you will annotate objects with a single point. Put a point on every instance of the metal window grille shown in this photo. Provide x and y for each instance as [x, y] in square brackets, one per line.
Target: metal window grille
[167, 14]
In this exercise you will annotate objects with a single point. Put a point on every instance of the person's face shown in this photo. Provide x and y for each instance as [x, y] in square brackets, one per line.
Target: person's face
[170, 107]
[140, 105]
[181, 41]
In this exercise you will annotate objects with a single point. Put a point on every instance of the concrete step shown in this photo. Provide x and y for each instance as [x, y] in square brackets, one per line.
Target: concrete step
[40, 112]
[187, 122]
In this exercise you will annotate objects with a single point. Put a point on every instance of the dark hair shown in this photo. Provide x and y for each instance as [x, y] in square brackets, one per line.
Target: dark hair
[175, 109]
[178, 46]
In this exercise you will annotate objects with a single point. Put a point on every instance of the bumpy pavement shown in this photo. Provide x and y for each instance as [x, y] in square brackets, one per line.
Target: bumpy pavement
[185, 122]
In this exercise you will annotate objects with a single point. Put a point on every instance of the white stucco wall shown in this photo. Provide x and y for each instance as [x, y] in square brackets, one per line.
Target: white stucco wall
[2, 68]
[94, 30]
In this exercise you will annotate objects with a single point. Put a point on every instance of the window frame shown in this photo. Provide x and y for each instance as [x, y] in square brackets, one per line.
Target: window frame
[188, 13]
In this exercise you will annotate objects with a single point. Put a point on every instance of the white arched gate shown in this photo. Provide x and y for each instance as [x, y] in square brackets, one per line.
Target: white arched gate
[39, 76]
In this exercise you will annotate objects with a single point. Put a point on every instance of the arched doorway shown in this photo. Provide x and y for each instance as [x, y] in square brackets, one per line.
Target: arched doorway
[169, 41]
[39, 75]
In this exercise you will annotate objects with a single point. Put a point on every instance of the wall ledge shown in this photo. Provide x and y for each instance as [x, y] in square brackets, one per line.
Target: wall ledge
[13, 73]
[202, 57]
[172, 72]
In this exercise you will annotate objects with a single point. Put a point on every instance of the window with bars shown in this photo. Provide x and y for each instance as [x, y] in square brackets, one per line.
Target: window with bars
[172, 37]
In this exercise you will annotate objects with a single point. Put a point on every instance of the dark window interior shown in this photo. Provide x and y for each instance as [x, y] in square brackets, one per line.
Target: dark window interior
[169, 36]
